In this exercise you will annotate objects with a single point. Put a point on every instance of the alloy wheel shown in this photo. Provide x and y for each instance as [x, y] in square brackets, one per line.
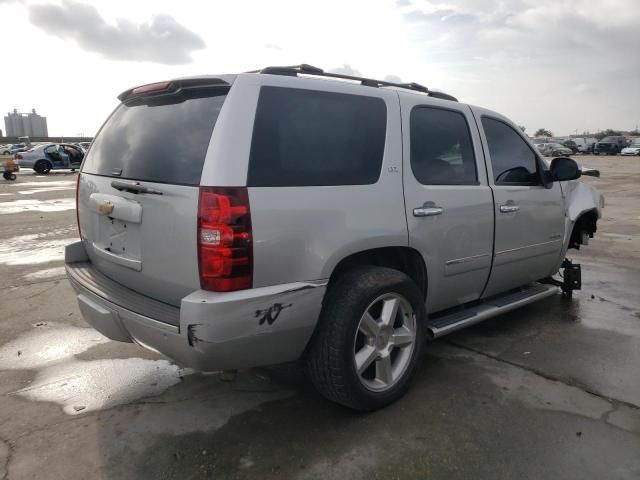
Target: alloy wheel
[384, 342]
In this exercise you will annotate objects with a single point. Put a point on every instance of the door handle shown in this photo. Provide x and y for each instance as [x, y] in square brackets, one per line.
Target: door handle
[509, 208]
[429, 209]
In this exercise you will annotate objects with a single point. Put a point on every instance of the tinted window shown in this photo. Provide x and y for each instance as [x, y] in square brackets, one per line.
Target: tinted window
[511, 158]
[306, 137]
[164, 140]
[441, 148]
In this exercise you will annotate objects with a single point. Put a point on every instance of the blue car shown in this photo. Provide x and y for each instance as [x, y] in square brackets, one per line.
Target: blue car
[51, 156]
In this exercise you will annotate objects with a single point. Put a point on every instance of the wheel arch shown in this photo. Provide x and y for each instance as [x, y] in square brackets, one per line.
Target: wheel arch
[405, 259]
[586, 222]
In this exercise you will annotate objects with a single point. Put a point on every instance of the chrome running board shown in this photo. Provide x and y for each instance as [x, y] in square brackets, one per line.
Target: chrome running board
[448, 322]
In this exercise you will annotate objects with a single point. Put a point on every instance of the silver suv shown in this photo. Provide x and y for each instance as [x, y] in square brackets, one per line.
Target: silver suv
[291, 214]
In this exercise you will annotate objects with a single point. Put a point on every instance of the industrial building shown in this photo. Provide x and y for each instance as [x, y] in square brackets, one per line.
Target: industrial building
[25, 124]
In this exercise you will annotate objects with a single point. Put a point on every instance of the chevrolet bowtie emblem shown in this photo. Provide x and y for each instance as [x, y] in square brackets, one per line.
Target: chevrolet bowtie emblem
[106, 208]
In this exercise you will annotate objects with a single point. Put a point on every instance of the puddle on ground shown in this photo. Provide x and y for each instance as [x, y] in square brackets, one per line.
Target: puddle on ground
[47, 345]
[21, 206]
[54, 183]
[85, 386]
[46, 273]
[32, 249]
[44, 190]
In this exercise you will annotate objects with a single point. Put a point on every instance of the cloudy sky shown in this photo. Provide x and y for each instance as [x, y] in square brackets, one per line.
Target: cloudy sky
[563, 65]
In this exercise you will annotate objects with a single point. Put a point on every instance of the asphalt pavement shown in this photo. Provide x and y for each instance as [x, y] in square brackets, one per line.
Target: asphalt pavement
[551, 390]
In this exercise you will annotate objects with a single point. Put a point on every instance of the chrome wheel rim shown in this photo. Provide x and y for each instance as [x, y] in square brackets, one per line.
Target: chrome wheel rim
[384, 342]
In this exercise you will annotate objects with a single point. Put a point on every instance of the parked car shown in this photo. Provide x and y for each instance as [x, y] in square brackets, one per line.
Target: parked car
[51, 156]
[633, 149]
[585, 144]
[610, 145]
[571, 145]
[554, 150]
[303, 218]
[14, 148]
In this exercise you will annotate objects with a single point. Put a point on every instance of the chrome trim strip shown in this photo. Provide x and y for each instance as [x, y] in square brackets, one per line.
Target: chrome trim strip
[526, 246]
[466, 259]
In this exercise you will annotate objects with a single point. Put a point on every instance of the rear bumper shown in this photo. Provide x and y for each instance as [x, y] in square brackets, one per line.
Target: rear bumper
[210, 330]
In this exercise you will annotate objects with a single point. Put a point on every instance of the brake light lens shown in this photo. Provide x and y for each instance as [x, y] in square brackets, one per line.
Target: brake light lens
[225, 249]
[151, 87]
[18, 157]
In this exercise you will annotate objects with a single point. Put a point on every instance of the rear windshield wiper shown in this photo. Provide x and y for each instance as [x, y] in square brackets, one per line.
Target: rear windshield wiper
[134, 188]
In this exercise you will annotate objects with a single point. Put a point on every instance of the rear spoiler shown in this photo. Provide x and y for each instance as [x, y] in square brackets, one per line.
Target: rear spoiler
[170, 87]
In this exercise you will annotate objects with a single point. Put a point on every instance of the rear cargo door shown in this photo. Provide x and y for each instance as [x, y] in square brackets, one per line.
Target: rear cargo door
[138, 189]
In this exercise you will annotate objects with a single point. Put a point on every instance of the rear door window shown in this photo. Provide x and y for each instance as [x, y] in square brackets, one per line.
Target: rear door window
[313, 138]
[163, 140]
[441, 148]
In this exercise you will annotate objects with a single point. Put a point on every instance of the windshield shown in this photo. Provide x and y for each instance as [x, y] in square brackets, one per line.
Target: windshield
[609, 139]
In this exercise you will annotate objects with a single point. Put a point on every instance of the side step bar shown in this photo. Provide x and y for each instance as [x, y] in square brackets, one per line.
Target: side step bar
[445, 323]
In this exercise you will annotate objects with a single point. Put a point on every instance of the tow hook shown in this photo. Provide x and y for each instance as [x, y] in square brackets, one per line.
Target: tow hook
[572, 277]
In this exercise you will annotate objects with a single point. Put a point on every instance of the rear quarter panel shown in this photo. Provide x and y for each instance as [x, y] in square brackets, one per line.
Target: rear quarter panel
[302, 233]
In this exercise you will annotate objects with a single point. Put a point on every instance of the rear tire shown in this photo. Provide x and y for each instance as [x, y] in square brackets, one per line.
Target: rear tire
[369, 338]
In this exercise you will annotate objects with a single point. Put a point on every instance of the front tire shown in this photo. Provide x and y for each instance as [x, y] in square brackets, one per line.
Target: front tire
[369, 338]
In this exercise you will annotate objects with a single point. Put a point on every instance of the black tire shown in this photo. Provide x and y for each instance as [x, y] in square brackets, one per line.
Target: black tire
[6, 175]
[329, 359]
[42, 167]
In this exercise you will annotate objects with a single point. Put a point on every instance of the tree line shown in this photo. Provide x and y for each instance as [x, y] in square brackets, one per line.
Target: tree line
[543, 132]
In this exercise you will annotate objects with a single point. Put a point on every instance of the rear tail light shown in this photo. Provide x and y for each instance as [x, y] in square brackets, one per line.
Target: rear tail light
[77, 205]
[18, 157]
[225, 250]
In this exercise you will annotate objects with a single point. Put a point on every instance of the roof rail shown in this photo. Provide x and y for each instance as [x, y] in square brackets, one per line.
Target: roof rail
[306, 69]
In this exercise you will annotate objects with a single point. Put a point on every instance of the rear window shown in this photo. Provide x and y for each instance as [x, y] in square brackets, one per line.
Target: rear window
[163, 140]
[313, 138]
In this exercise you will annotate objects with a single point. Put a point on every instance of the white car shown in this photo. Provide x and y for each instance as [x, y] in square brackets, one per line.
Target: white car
[633, 149]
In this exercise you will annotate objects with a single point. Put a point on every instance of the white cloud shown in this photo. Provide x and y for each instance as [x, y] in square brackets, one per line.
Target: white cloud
[560, 65]
[161, 40]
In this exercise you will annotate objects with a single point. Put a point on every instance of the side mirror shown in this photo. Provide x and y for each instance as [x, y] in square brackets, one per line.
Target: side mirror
[563, 169]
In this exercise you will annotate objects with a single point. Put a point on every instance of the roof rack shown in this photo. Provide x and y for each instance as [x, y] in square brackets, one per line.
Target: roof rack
[305, 69]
